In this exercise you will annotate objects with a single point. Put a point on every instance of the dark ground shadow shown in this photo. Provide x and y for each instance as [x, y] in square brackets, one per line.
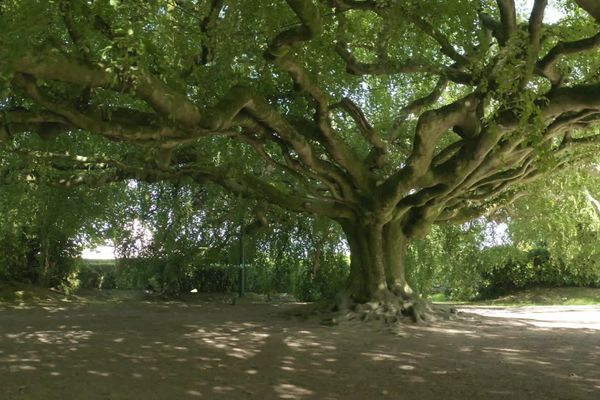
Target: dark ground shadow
[250, 351]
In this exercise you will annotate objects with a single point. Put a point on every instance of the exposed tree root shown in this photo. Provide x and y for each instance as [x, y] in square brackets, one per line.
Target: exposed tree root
[387, 308]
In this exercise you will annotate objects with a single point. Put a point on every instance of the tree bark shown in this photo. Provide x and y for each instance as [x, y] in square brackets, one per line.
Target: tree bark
[377, 271]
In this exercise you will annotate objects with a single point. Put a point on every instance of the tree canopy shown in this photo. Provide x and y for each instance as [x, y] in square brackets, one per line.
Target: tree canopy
[385, 116]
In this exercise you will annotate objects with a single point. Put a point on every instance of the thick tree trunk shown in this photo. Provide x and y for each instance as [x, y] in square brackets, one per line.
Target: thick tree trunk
[377, 279]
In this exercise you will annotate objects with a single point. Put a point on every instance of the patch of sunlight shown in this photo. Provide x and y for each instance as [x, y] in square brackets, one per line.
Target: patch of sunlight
[13, 358]
[440, 372]
[570, 317]
[18, 368]
[98, 373]
[504, 350]
[223, 389]
[407, 367]
[381, 357]
[303, 344]
[289, 391]
[234, 341]
[567, 325]
[451, 331]
[51, 337]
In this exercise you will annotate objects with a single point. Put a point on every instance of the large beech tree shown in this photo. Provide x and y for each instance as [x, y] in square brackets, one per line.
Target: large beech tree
[387, 116]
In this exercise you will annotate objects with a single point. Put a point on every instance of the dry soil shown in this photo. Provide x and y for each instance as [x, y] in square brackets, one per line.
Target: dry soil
[208, 350]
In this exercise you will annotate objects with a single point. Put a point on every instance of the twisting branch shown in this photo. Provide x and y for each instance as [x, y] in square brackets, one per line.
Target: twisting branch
[68, 14]
[435, 34]
[278, 53]
[431, 125]
[545, 65]
[244, 99]
[206, 24]
[390, 67]
[52, 65]
[139, 134]
[415, 107]
[365, 128]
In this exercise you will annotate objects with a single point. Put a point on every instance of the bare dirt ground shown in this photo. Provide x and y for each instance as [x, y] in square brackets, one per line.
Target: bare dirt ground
[137, 350]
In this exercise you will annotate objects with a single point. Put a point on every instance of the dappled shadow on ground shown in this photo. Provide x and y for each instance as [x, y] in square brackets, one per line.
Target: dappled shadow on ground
[250, 351]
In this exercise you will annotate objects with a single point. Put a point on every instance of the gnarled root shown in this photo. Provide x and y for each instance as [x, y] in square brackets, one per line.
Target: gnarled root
[385, 306]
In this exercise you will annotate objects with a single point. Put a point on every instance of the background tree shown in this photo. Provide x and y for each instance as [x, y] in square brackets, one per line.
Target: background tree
[44, 227]
[385, 116]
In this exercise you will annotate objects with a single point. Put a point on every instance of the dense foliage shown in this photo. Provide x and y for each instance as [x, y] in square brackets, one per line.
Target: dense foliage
[44, 228]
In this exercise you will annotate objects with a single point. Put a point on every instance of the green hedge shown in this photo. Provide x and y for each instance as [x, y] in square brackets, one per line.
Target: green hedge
[171, 278]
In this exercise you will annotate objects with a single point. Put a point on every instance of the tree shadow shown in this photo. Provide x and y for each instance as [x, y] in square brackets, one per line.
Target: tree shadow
[178, 350]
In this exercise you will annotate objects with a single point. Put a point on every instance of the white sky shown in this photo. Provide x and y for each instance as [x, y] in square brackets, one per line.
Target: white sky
[552, 13]
[106, 252]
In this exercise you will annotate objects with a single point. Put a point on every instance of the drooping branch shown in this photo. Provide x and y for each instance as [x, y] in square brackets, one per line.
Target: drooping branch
[464, 212]
[302, 176]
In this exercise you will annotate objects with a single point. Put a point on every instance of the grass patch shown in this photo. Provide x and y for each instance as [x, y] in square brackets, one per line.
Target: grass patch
[568, 296]
[21, 293]
[438, 298]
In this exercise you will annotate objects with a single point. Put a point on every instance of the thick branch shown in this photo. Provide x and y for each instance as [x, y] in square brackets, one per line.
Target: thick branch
[545, 65]
[508, 16]
[535, 31]
[415, 107]
[53, 65]
[591, 6]
[243, 99]
[279, 49]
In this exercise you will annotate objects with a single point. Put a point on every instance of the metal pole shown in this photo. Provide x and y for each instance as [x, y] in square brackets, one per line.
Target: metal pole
[242, 277]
